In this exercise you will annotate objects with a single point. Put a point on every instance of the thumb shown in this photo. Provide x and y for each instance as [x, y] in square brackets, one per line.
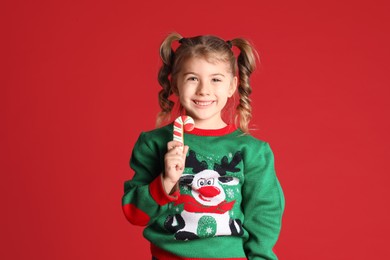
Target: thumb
[185, 151]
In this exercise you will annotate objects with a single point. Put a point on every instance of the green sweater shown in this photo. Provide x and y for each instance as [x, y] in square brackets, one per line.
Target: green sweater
[229, 204]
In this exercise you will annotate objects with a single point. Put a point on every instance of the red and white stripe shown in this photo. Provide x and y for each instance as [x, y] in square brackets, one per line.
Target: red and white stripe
[181, 124]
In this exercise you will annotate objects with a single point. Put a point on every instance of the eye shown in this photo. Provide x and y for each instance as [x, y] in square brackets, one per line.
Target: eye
[192, 79]
[201, 182]
[216, 80]
[210, 182]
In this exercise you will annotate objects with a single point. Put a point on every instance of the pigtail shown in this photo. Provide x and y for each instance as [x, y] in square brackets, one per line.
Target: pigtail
[246, 63]
[167, 56]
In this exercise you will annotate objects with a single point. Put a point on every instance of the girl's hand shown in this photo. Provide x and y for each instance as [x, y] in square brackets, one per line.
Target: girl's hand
[174, 161]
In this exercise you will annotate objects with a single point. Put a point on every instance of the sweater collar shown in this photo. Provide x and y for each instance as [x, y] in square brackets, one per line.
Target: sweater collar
[213, 132]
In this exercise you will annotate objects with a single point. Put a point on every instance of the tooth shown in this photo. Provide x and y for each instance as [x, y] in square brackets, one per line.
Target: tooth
[203, 103]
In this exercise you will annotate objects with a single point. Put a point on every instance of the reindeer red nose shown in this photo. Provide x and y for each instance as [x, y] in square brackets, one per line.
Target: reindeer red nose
[209, 191]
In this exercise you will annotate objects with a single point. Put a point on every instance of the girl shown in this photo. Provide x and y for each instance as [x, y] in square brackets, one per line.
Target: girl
[217, 196]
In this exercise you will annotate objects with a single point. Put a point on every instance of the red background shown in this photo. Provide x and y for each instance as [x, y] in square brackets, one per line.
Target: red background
[78, 84]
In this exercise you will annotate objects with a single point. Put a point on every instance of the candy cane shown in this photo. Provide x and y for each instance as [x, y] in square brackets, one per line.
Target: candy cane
[181, 124]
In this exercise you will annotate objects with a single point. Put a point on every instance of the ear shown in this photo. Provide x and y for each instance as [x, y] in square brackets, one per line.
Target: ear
[233, 86]
[186, 179]
[227, 180]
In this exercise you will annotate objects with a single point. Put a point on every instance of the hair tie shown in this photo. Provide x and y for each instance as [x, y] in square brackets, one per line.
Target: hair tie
[229, 43]
[182, 40]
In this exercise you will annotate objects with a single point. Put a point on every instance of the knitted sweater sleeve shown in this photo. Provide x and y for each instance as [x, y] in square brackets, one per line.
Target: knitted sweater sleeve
[263, 203]
[145, 198]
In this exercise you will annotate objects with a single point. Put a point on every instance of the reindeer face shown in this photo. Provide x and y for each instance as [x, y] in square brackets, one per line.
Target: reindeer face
[206, 184]
[206, 187]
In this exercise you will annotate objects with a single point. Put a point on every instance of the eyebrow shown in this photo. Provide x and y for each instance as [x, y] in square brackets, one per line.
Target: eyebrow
[193, 73]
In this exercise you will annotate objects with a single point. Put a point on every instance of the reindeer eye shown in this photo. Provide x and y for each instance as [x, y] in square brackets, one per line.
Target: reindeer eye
[210, 182]
[201, 182]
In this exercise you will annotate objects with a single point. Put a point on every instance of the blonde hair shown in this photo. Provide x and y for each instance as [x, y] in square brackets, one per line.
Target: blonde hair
[208, 47]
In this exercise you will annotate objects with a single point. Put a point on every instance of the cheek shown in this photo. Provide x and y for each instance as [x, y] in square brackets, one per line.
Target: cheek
[226, 91]
[183, 97]
[179, 90]
[186, 90]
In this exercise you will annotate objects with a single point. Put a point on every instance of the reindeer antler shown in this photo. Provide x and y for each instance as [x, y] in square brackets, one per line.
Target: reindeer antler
[226, 166]
[195, 164]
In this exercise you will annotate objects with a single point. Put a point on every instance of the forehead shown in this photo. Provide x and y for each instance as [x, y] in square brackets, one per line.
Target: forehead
[206, 174]
[205, 65]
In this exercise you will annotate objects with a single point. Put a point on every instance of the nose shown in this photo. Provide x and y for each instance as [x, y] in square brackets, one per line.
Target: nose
[203, 89]
[209, 191]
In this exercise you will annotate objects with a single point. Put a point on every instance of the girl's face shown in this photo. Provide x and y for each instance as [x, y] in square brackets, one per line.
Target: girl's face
[203, 89]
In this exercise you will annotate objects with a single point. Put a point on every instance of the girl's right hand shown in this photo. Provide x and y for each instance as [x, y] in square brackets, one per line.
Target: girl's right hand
[174, 161]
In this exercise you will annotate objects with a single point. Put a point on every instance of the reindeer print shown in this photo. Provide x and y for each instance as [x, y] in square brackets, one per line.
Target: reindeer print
[205, 209]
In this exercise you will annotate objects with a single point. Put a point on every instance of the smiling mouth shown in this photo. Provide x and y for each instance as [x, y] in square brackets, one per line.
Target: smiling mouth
[203, 103]
[203, 198]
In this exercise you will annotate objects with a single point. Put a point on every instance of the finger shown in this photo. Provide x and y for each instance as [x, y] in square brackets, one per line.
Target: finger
[179, 161]
[179, 150]
[179, 166]
[173, 156]
[173, 144]
[174, 160]
[185, 151]
[176, 151]
[174, 164]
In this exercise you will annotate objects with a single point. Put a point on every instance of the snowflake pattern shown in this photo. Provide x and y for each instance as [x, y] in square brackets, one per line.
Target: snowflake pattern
[209, 230]
[230, 193]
